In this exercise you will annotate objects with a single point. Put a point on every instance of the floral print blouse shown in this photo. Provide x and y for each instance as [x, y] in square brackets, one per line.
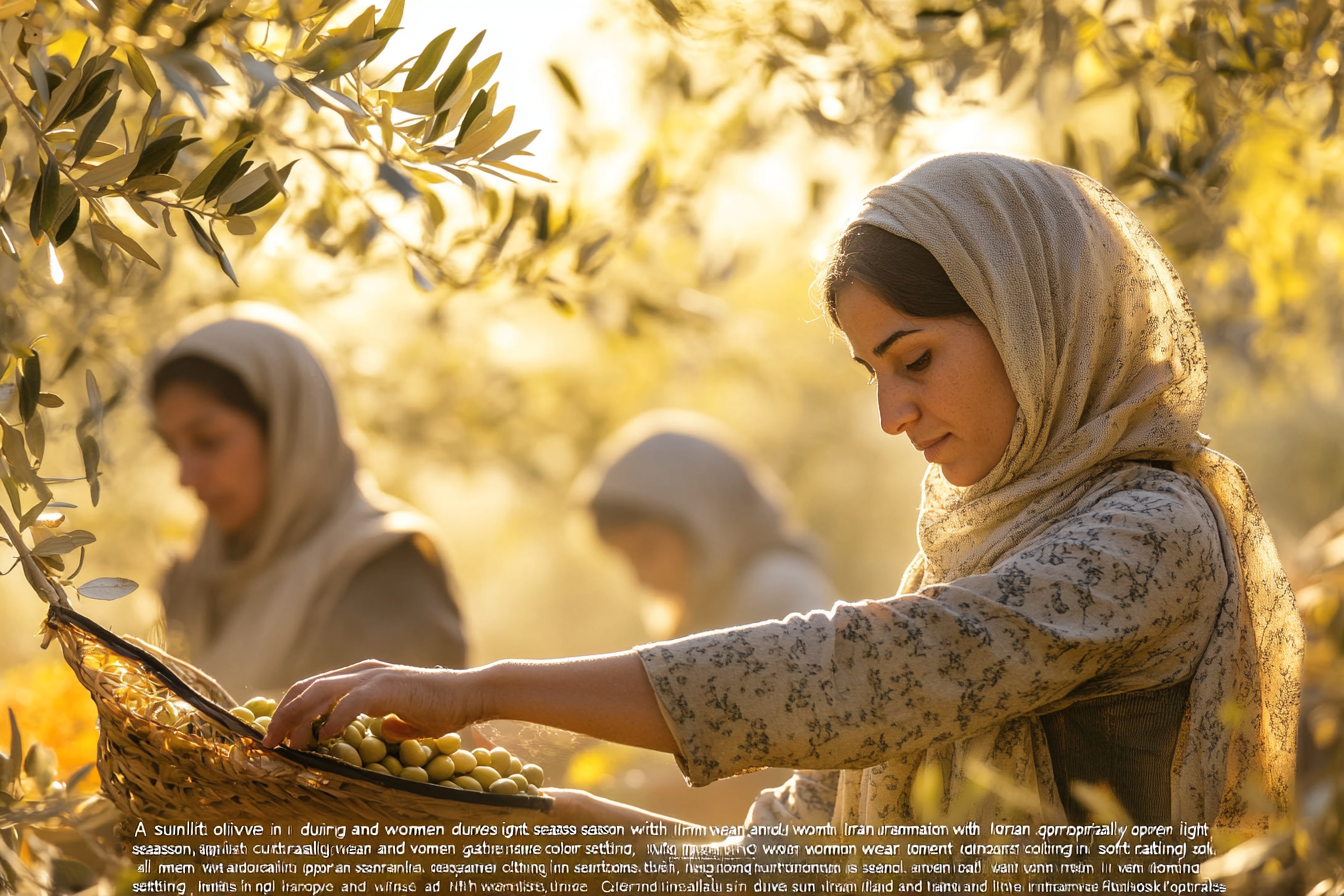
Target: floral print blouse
[1118, 595]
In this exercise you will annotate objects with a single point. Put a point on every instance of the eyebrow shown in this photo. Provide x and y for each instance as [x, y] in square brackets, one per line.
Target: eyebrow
[881, 348]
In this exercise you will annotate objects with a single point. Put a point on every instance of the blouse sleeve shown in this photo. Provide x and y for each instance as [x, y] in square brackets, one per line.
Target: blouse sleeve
[1118, 596]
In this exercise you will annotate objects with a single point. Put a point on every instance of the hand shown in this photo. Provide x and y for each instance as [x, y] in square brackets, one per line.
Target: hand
[428, 701]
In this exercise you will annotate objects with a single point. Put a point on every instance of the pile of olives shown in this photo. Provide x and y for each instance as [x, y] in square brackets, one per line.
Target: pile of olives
[433, 760]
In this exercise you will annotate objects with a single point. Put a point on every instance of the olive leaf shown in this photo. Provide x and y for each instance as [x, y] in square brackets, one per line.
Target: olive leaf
[121, 240]
[11, 766]
[456, 71]
[62, 544]
[46, 199]
[35, 434]
[111, 171]
[31, 515]
[428, 61]
[140, 70]
[30, 385]
[106, 588]
[231, 155]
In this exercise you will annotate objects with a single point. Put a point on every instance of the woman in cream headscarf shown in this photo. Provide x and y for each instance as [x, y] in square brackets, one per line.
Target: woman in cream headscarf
[302, 564]
[701, 524]
[1088, 568]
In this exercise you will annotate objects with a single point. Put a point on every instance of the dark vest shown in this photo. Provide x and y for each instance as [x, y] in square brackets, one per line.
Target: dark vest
[1126, 742]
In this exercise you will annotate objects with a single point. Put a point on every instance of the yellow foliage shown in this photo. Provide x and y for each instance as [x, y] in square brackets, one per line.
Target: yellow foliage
[52, 708]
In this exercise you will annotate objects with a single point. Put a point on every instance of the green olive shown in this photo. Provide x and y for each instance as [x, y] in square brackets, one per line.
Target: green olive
[412, 773]
[377, 768]
[392, 764]
[259, 706]
[504, 787]
[467, 782]
[375, 727]
[372, 749]
[430, 745]
[485, 774]
[463, 761]
[533, 774]
[449, 744]
[242, 712]
[532, 790]
[440, 768]
[515, 766]
[412, 753]
[448, 784]
[500, 759]
[482, 755]
[520, 781]
[346, 753]
[262, 722]
[354, 733]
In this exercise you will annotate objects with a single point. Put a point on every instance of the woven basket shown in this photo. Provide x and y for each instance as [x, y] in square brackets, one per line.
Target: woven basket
[169, 749]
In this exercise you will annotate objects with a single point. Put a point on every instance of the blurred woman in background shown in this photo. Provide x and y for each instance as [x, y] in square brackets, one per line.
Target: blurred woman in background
[303, 564]
[701, 525]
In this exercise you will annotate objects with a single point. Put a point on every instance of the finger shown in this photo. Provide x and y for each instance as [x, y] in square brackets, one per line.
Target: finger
[347, 709]
[294, 717]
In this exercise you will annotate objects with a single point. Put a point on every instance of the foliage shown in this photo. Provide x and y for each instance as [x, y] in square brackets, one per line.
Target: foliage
[1309, 858]
[1219, 119]
[207, 152]
[53, 839]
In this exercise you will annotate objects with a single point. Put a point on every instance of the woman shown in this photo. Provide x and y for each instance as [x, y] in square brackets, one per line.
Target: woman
[1084, 560]
[302, 565]
[699, 523]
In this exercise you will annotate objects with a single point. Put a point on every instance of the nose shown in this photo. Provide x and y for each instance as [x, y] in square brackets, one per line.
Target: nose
[188, 471]
[896, 407]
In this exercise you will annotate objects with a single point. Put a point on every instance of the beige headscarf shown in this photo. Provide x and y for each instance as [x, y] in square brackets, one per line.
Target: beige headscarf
[1107, 363]
[242, 612]
[687, 468]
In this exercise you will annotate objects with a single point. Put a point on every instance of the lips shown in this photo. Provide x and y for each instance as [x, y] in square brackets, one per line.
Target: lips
[932, 450]
[927, 445]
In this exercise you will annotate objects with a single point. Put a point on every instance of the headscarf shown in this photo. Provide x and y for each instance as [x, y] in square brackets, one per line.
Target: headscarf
[243, 610]
[1107, 364]
[688, 469]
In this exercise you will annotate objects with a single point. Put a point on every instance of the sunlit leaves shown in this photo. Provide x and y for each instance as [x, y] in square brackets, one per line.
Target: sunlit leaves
[107, 588]
[566, 84]
[428, 61]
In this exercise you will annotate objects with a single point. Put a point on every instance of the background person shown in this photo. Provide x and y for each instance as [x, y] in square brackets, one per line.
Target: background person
[302, 564]
[1085, 559]
[700, 523]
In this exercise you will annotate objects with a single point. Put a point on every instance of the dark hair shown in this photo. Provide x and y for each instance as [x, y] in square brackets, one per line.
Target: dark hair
[607, 517]
[901, 272]
[221, 383]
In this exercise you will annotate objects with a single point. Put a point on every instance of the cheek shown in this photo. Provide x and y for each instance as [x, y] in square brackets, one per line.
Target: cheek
[245, 464]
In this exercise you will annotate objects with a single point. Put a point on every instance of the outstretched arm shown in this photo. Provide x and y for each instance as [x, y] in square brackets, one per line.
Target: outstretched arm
[607, 697]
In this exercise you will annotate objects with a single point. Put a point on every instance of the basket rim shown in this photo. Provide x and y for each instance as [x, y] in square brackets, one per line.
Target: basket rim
[222, 717]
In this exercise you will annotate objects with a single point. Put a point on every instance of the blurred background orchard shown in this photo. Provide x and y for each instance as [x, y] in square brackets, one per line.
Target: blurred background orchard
[487, 329]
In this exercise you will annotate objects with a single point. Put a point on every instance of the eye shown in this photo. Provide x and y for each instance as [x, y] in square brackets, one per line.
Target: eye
[920, 363]
[872, 374]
